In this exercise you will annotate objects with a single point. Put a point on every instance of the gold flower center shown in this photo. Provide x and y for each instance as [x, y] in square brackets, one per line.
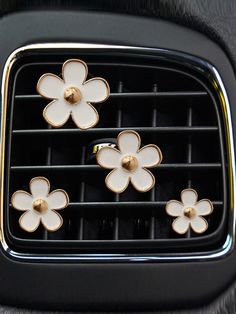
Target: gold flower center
[189, 212]
[72, 95]
[129, 163]
[41, 206]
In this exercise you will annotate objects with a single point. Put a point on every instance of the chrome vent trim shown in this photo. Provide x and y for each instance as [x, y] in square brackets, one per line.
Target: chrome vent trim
[198, 65]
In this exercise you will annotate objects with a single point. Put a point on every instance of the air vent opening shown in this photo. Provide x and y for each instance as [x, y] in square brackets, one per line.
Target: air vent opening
[168, 104]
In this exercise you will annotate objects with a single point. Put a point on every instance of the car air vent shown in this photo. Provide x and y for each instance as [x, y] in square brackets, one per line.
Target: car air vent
[169, 102]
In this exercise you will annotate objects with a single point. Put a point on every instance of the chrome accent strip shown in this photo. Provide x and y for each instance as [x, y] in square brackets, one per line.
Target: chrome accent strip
[204, 68]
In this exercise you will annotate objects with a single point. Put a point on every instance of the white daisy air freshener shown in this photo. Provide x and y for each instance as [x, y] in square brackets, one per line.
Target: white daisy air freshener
[189, 212]
[129, 163]
[40, 205]
[72, 95]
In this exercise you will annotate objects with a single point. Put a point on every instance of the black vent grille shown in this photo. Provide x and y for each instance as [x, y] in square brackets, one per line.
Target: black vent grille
[168, 104]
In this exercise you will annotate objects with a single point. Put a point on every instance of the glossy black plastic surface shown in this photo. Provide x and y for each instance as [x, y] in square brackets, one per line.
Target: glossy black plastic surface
[126, 286]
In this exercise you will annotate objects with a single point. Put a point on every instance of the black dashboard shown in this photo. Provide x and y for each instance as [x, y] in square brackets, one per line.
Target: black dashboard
[118, 253]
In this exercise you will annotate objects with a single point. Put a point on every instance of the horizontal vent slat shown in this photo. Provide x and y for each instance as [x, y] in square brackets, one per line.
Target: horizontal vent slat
[133, 95]
[110, 131]
[193, 166]
[115, 205]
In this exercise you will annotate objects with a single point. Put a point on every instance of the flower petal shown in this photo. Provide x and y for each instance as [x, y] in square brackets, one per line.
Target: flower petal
[58, 199]
[51, 220]
[57, 112]
[180, 225]
[84, 115]
[149, 156]
[22, 200]
[74, 72]
[129, 142]
[117, 180]
[189, 197]
[95, 90]
[29, 221]
[39, 187]
[142, 179]
[108, 157]
[50, 86]
[199, 224]
[204, 207]
[174, 208]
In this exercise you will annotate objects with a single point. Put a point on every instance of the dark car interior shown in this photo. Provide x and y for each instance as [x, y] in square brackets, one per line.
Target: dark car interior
[117, 156]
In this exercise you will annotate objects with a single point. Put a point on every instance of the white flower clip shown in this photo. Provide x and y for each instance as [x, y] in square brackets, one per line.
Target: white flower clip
[189, 212]
[72, 95]
[40, 205]
[129, 163]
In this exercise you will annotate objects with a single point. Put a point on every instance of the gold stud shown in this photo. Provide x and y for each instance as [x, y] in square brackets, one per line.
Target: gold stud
[41, 206]
[129, 163]
[72, 95]
[189, 212]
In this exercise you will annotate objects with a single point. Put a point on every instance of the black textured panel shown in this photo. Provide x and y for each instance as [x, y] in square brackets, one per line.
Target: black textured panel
[168, 105]
[128, 286]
